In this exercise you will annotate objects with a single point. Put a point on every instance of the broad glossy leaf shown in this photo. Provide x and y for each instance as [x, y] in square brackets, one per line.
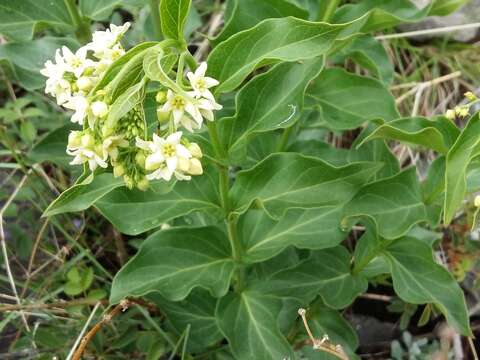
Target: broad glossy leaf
[438, 134]
[376, 150]
[249, 322]
[395, 204]
[52, 147]
[383, 14]
[172, 262]
[326, 273]
[289, 180]
[370, 54]
[270, 101]
[133, 96]
[244, 14]
[321, 150]
[80, 197]
[134, 211]
[98, 10]
[418, 279]
[27, 58]
[263, 237]
[347, 100]
[459, 156]
[198, 311]
[285, 39]
[19, 20]
[173, 14]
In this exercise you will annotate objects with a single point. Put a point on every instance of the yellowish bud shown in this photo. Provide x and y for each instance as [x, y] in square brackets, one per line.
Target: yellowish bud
[477, 201]
[140, 159]
[470, 96]
[183, 164]
[118, 170]
[195, 167]
[195, 150]
[128, 182]
[163, 116]
[450, 114]
[143, 184]
[461, 111]
[74, 139]
[84, 83]
[161, 97]
[87, 140]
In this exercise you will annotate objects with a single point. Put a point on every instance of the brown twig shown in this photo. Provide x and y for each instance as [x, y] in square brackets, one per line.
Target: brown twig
[58, 304]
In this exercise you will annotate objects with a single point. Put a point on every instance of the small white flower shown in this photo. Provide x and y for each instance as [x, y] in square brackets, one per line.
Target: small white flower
[179, 105]
[165, 155]
[206, 107]
[78, 62]
[82, 146]
[84, 83]
[80, 105]
[104, 40]
[111, 144]
[56, 85]
[201, 83]
[99, 109]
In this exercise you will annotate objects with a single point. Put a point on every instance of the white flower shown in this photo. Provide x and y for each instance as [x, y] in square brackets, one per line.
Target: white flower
[82, 146]
[78, 62]
[178, 105]
[206, 107]
[201, 83]
[99, 109]
[84, 83]
[111, 144]
[56, 85]
[104, 40]
[80, 105]
[165, 156]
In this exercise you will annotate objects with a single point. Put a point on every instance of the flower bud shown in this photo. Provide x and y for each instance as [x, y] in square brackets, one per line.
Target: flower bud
[74, 139]
[143, 184]
[163, 116]
[195, 167]
[161, 97]
[450, 114]
[84, 83]
[118, 170]
[470, 96]
[87, 140]
[128, 182]
[140, 159]
[151, 163]
[195, 150]
[477, 201]
[461, 111]
[183, 164]
[99, 109]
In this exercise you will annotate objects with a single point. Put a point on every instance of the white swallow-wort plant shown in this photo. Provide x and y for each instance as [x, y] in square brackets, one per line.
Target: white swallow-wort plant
[258, 205]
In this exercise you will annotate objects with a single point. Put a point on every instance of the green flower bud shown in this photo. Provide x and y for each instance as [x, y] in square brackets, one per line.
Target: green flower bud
[470, 96]
[140, 159]
[195, 150]
[161, 97]
[143, 184]
[163, 116]
[118, 170]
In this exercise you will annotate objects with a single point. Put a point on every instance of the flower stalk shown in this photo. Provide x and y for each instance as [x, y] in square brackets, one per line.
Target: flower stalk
[82, 28]
[157, 22]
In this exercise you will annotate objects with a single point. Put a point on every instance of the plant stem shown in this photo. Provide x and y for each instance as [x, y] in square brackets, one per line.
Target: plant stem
[157, 22]
[326, 9]
[82, 27]
[284, 139]
[225, 201]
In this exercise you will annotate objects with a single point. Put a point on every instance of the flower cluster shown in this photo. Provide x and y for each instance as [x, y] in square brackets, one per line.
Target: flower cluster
[462, 111]
[124, 144]
[167, 156]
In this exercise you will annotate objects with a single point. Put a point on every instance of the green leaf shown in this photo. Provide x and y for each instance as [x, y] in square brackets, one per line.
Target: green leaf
[249, 322]
[172, 262]
[288, 180]
[133, 96]
[383, 14]
[27, 58]
[173, 14]
[438, 134]
[52, 147]
[418, 279]
[459, 156]
[270, 101]
[322, 150]
[98, 10]
[80, 197]
[122, 206]
[198, 311]
[244, 14]
[263, 237]
[326, 273]
[19, 20]
[272, 40]
[347, 100]
[395, 204]
[370, 54]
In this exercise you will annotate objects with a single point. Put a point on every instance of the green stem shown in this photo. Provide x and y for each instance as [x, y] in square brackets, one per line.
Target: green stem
[284, 139]
[82, 27]
[326, 9]
[157, 22]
